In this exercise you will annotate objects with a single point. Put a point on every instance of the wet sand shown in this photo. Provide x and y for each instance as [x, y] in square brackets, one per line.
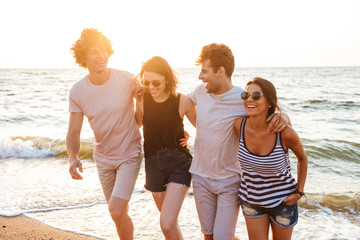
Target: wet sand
[21, 227]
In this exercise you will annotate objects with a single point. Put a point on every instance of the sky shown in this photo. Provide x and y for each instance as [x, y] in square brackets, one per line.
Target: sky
[261, 33]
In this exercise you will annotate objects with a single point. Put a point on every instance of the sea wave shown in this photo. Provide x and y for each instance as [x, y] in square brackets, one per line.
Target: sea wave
[40, 147]
[332, 150]
[317, 101]
[348, 203]
[326, 105]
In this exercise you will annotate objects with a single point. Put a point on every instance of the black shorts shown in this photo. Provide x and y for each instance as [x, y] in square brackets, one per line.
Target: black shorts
[165, 166]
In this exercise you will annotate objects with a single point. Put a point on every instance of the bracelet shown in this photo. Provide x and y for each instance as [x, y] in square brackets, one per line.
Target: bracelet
[299, 192]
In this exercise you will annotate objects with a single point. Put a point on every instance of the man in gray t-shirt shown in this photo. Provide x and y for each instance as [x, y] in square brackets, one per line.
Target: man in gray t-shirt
[215, 168]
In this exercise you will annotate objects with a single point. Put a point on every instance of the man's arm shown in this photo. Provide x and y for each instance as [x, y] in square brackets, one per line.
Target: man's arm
[189, 109]
[73, 144]
[138, 89]
[138, 94]
[139, 111]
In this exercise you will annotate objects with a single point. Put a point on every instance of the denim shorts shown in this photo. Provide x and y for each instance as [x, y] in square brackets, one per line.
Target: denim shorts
[283, 215]
[165, 166]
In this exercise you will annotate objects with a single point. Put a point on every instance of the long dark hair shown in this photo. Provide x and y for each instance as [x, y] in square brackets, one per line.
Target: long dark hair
[160, 66]
[269, 91]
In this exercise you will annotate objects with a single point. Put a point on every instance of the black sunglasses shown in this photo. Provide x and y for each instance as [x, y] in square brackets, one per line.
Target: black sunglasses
[155, 83]
[255, 95]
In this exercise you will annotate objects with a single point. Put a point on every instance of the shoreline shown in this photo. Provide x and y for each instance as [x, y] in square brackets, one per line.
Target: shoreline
[22, 227]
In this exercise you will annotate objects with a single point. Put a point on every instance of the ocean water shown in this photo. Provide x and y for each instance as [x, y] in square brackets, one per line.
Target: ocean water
[323, 104]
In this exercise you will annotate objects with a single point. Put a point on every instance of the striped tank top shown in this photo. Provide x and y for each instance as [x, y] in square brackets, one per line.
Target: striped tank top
[265, 180]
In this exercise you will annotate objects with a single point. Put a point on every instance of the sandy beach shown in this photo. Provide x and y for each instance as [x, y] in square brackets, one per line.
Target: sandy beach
[21, 227]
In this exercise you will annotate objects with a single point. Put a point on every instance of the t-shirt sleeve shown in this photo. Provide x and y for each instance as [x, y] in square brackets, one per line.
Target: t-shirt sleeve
[194, 93]
[134, 81]
[73, 102]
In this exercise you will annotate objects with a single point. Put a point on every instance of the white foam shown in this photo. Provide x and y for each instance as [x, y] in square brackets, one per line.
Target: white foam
[24, 148]
[13, 213]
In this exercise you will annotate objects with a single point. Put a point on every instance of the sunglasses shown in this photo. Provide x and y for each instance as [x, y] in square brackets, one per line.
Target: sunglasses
[255, 95]
[155, 83]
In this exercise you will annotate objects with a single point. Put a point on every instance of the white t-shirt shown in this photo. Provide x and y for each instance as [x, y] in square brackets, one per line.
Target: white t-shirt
[110, 111]
[216, 142]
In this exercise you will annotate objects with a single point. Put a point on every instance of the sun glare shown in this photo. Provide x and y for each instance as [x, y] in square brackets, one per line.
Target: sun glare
[260, 33]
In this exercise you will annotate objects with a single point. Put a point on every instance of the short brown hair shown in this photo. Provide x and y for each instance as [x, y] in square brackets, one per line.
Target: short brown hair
[269, 91]
[89, 37]
[160, 66]
[219, 55]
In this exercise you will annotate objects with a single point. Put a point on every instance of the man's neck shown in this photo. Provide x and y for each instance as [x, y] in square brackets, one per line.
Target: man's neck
[225, 86]
[99, 78]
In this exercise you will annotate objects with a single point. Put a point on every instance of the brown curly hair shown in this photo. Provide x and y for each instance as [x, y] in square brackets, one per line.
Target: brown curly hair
[89, 37]
[219, 55]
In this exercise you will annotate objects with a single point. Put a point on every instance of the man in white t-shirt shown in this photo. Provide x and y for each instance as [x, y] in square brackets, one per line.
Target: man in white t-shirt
[105, 97]
[215, 168]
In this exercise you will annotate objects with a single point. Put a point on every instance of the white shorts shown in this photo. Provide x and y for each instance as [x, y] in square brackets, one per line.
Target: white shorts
[118, 177]
[217, 204]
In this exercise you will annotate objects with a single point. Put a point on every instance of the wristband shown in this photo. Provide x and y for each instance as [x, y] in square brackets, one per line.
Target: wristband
[299, 192]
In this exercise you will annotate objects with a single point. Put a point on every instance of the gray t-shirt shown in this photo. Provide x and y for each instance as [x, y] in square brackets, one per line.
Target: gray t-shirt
[216, 142]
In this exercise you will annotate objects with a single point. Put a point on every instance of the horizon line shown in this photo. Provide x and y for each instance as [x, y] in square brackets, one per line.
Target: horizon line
[184, 67]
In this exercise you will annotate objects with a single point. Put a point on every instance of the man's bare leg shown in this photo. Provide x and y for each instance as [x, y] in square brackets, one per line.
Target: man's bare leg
[118, 209]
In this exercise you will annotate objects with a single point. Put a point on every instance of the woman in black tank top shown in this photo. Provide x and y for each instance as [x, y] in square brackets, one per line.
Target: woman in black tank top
[167, 159]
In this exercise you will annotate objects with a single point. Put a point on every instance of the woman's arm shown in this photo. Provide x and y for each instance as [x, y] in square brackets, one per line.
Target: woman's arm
[291, 140]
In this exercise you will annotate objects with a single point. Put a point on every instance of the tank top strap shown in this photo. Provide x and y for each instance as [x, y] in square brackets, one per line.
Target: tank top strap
[178, 95]
[242, 127]
[279, 140]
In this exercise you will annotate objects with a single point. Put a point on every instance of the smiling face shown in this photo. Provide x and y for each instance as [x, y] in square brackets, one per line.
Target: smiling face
[97, 58]
[158, 93]
[256, 107]
[210, 78]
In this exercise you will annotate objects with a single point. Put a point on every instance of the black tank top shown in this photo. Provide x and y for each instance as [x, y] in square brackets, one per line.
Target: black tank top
[162, 125]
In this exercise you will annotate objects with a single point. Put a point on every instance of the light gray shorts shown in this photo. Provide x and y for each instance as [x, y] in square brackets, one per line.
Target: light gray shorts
[118, 177]
[217, 204]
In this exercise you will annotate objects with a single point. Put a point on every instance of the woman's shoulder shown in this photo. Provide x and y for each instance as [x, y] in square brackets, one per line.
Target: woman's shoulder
[289, 136]
[237, 123]
[239, 119]
[288, 132]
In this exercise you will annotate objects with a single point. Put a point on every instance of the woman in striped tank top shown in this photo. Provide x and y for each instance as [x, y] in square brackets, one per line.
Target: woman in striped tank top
[268, 192]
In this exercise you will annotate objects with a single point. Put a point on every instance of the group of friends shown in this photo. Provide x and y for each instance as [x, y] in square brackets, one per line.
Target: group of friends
[240, 153]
